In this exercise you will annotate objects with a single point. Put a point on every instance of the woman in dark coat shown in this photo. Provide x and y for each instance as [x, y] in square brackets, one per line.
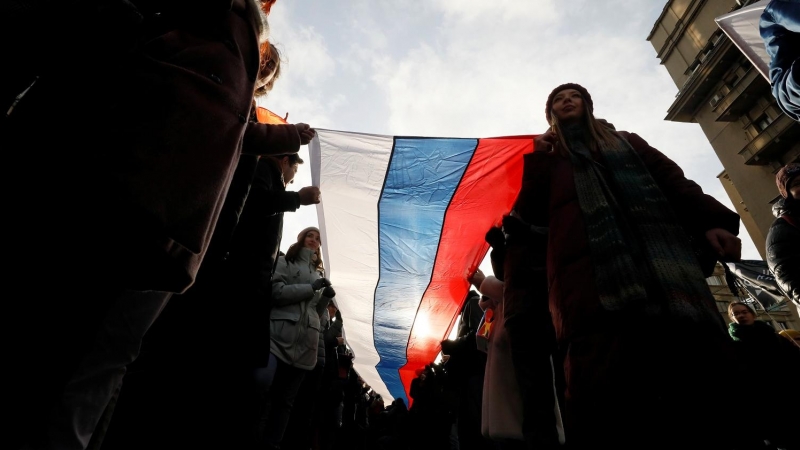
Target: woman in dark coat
[642, 344]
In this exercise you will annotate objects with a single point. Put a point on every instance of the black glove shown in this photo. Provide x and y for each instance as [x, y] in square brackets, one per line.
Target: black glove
[495, 238]
[521, 233]
[329, 292]
[320, 283]
[516, 229]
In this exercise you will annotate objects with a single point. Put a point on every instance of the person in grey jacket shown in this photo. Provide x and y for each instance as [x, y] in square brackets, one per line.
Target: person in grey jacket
[300, 295]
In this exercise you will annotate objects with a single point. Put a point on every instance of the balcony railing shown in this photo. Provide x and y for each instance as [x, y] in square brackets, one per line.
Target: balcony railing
[699, 84]
[777, 136]
[742, 96]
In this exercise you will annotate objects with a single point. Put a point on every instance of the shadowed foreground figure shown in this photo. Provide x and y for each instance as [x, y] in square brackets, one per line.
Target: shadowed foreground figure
[645, 353]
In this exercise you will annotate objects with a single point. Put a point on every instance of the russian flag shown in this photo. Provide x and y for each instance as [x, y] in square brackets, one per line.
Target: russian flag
[403, 221]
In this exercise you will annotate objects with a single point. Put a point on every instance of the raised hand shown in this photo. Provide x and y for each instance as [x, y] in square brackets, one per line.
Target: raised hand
[309, 195]
[545, 142]
[725, 243]
[306, 133]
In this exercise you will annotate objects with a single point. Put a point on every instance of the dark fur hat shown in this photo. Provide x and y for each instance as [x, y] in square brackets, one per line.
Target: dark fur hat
[586, 97]
[784, 176]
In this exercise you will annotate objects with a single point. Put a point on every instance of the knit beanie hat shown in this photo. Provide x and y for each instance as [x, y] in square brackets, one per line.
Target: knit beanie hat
[784, 177]
[584, 93]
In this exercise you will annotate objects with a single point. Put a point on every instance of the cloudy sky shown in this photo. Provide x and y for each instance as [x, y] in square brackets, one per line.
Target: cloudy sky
[473, 68]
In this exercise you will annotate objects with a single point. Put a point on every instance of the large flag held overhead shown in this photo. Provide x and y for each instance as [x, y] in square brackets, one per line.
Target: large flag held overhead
[403, 221]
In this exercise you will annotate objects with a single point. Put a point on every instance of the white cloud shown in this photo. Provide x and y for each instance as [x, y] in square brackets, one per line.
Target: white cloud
[477, 12]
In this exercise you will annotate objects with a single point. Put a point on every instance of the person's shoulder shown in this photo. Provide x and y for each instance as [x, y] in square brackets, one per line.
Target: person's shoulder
[628, 134]
[635, 140]
[778, 225]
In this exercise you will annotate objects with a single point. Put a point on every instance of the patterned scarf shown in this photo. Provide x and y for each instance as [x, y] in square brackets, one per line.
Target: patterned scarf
[642, 257]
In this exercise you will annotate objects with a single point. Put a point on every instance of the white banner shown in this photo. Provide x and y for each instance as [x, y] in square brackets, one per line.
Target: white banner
[741, 26]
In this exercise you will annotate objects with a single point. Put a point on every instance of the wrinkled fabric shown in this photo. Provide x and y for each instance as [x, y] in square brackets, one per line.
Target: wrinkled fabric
[780, 29]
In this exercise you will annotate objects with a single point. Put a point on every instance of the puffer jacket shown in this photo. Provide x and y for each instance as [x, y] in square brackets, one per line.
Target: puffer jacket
[780, 29]
[783, 248]
[295, 318]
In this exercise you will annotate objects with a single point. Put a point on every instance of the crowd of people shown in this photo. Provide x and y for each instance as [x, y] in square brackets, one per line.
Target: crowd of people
[167, 317]
[605, 317]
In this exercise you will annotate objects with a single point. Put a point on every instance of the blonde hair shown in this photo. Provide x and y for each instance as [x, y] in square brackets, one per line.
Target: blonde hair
[601, 135]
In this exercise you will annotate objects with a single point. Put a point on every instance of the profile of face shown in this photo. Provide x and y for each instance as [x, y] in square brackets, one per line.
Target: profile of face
[288, 170]
[742, 315]
[794, 187]
[267, 72]
[332, 310]
[312, 240]
[568, 106]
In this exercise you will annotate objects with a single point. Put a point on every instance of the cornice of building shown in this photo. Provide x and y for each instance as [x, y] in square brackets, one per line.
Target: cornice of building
[660, 16]
[680, 28]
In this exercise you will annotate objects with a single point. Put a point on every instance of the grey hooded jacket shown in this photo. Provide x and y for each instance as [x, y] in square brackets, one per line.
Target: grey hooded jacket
[295, 317]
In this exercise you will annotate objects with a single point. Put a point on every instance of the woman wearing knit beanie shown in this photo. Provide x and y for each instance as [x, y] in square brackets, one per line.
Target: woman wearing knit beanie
[783, 238]
[300, 296]
[643, 346]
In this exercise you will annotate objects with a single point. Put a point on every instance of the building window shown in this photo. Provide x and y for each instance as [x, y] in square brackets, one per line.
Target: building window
[746, 65]
[690, 70]
[717, 97]
[762, 122]
[705, 53]
[738, 74]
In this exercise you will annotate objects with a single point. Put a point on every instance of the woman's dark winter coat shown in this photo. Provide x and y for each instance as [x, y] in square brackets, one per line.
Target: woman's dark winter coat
[622, 373]
[783, 248]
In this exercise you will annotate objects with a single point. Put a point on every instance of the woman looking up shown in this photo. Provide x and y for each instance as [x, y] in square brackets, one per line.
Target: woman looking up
[300, 295]
[642, 344]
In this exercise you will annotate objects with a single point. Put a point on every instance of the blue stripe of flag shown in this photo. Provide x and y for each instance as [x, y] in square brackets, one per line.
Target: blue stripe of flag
[422, 177]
